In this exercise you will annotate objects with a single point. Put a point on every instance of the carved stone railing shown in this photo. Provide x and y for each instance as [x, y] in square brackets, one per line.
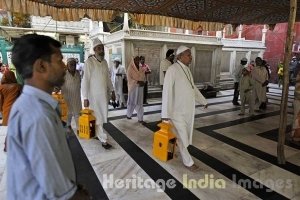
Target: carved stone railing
[242, 43]
[46, 23]
[114, 37]
[135, 34]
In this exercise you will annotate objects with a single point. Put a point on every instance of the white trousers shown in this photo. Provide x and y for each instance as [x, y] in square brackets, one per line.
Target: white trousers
[185, 155]
[135, 102]
[247, 98]
[100, 133]
[120, 98]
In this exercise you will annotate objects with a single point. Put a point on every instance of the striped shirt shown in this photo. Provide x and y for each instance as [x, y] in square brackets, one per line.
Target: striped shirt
[71, 92]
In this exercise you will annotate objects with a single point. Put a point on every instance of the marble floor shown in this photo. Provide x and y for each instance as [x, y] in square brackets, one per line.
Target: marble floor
[236, 155]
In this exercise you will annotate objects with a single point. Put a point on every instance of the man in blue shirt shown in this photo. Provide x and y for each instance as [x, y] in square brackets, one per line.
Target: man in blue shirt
[39, 162]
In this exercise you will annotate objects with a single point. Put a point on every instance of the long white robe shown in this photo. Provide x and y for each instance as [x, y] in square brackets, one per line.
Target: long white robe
[259, 75]
[163, 67]
[117, 82]
[96, 87]
[179, 99]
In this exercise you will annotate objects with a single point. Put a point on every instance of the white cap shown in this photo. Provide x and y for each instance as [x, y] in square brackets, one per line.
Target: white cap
[181, 49]
[96, 42]
[117, 59]
[244, 59]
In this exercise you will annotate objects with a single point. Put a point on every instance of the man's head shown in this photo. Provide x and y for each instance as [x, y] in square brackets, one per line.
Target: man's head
[142, 59]
[117, 61]
[170, 55]
[38, 59]
[8, 78]
[71, 65]
[136, 61]
[258, 61]
[244, 61]
[184, 55]
[98, 48]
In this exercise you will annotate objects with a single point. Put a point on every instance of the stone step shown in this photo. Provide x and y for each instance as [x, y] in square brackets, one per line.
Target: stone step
[156, 92]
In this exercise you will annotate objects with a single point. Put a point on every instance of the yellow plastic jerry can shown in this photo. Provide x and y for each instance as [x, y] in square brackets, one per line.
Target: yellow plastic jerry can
[62, 105]
[87, 124]
[164, 142]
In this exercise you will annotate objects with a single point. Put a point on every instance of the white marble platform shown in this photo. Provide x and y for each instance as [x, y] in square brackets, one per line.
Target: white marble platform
[118, 163]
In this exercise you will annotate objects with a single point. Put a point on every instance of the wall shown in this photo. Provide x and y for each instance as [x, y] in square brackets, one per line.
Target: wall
[275, 43]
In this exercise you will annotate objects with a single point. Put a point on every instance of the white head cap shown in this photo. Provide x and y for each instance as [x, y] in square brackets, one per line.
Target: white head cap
[96, 42]
[117, 59]
[181, 49]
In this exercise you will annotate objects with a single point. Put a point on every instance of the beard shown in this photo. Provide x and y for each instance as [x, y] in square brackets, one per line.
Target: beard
[57, 81]
[100, 56]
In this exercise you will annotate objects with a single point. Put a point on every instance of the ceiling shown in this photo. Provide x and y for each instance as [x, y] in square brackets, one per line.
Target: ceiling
[222, 11]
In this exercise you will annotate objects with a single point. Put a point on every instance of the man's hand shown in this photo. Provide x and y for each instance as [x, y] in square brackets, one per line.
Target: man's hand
[113, 96]
[265, 83]
[141, 83]
[81, 194]
[86, 103]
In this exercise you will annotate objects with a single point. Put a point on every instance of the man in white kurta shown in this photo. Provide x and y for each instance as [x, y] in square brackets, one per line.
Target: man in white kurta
[178, 102]
[260, 77]
[165, 64]
[117, 76]
[96, 89]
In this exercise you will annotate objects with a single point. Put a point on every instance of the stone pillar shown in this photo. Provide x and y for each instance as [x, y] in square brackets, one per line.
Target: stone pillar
[100, 24]
[193, 51]
[90, 25]
[219, 35]
[125, 23]
[264, 32]
[127, 53]
[240, 31]
[248, 56]
[232, 61]
[224, 32]
[216, 67]
[163, 52]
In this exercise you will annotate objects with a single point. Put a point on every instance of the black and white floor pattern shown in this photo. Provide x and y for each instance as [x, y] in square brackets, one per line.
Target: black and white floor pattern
[236, 155]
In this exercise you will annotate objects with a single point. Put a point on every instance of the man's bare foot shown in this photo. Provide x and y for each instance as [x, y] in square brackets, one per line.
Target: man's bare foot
[193, 168]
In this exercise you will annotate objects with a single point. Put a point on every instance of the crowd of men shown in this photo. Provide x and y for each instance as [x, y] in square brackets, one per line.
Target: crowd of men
[38, 144]
[251, 81]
